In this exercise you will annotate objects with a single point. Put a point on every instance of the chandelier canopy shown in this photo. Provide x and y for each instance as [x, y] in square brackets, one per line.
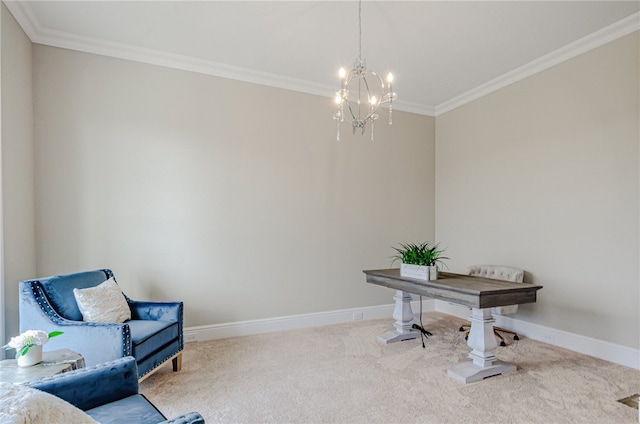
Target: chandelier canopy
[361, 93]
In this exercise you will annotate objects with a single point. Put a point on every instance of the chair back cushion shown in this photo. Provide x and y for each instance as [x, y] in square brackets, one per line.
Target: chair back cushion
[90, 387]
[497, 272]
[59, 290]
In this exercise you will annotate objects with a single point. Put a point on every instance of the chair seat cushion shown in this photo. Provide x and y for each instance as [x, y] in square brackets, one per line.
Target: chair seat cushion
[148, 336]
[133, 409]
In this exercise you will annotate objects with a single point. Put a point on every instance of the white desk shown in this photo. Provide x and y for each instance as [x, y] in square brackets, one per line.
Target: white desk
[480, 294]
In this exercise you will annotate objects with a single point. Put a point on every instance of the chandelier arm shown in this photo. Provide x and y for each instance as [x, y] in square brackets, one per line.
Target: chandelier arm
[373, 107]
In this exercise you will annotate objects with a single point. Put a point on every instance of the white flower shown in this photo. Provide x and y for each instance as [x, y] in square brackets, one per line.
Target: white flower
[29, 338]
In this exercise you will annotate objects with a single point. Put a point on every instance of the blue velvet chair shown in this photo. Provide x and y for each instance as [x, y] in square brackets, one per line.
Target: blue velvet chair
[153, 335]
[109, 393]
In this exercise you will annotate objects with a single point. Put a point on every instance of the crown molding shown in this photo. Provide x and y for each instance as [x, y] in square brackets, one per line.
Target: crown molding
[603, 36]
[40, 35]
[23, 15]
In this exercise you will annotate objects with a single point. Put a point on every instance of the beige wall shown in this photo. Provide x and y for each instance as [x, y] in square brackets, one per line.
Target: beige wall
[234, 197]
[237, 199]
[543, 175]
[17, 152]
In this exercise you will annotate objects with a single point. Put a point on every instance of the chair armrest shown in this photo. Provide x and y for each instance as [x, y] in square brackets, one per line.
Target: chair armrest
[157, 311]
[188, 418]
[96, 342]
[87, 388]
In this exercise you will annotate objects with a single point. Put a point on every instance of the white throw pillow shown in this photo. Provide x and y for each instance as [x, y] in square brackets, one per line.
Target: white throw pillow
[103, 303]
[21, 404]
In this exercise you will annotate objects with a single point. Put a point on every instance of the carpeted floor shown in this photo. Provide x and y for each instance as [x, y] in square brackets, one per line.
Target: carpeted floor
[341, 374]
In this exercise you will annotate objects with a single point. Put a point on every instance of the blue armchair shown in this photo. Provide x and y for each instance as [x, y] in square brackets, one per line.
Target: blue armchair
[152, 336]
[109, 393]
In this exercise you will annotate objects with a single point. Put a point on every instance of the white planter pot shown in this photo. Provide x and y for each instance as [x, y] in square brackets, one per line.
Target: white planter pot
[33, 356]
[414, 271]
[433, 273]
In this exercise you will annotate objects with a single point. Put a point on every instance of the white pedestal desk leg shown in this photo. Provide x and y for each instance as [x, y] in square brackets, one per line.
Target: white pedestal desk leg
[483, 345]
[403, 315]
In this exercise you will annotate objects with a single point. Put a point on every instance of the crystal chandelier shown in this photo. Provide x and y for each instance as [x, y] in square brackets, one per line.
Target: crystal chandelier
[361, 93]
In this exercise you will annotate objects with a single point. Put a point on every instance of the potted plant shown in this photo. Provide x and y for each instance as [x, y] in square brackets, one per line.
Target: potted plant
[28, 346]
[419, 260]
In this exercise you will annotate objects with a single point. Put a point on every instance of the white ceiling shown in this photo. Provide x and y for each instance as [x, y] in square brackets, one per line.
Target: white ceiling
[442, 53]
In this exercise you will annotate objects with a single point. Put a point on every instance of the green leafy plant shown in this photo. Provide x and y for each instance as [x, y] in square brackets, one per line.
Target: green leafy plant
[419, 254]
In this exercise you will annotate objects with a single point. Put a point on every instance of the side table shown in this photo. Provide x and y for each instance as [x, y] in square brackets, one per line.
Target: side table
[53, 362]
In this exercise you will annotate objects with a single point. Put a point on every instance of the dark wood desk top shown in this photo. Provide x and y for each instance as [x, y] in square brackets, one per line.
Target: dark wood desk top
[474, 292]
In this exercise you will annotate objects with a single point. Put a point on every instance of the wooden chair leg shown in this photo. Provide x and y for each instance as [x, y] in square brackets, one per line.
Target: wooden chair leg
[466, 328]
[504, 330]
[177, 362]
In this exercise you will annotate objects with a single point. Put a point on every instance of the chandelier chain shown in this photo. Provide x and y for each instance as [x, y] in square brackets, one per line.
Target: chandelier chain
[360, 31]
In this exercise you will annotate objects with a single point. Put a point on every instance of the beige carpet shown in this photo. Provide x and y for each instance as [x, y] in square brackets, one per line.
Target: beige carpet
[341, 374]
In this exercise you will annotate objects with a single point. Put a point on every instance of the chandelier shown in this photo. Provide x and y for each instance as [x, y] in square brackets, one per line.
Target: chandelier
[361, 93]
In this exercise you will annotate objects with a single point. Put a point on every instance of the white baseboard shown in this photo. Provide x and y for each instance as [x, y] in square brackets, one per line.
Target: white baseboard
[589, 346]
[611, 352]
[268, 325]
[608, 351]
